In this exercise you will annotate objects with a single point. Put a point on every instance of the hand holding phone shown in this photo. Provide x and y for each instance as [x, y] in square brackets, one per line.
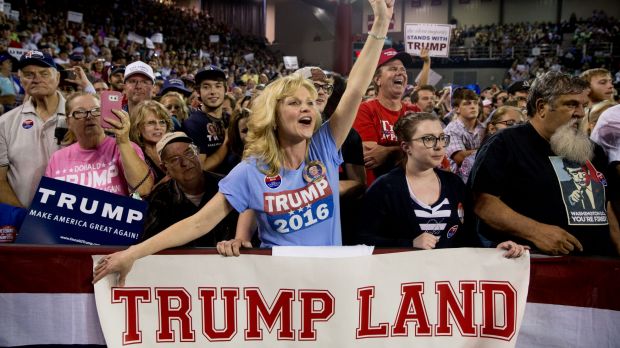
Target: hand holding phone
[110, 100]
[71, 74]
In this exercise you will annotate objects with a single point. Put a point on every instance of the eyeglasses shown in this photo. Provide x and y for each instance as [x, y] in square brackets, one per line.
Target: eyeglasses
[80, 114]
[430, 141]
[509, 123]
[139, 82]
[326, 87]
[190, 153]
[153, 123]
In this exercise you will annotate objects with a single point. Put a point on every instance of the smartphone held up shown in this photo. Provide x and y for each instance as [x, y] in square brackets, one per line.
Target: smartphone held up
[110, 100]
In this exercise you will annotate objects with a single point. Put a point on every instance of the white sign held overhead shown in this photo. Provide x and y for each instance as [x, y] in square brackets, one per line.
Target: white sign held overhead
[149, 43]
[7, 7]
[157, 38]
[110, 40]
[249, 57]
[76, 17]
[135, 37]
[433, 78]
[214, 38]
[434, 37]
[1, 5]
[14, 15]
[16, 52]
[290, 62]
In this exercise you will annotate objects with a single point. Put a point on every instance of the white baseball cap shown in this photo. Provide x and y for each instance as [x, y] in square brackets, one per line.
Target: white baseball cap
[139, 68]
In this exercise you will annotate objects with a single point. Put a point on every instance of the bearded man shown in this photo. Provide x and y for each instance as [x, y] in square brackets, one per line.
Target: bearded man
[524, 179]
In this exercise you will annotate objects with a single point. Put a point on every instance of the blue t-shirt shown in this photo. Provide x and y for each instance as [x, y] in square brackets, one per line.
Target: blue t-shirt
[291, 208]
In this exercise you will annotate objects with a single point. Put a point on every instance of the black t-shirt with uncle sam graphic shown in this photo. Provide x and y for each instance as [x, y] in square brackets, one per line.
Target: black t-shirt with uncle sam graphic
[518, 166]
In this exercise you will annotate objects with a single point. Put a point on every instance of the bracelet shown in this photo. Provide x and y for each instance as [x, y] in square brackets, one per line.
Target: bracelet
[132, 189]
[376, 37]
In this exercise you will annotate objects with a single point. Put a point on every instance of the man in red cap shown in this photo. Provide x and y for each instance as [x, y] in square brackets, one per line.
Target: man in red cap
[375, 118]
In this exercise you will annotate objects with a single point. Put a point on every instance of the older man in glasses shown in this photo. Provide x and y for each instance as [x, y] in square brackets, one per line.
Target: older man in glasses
[27, 133]
[188, 190]
[523, 189]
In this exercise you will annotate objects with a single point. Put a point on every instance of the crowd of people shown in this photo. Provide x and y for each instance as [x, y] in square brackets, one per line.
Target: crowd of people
[265, 159]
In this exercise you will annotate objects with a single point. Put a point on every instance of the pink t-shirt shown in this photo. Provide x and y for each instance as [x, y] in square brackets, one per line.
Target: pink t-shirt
[99, 168]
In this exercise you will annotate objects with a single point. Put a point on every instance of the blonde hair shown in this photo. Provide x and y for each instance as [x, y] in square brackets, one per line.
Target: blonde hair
[262, 140]
[184, 110]
[139, 114]
[597, 110]
[70, 137]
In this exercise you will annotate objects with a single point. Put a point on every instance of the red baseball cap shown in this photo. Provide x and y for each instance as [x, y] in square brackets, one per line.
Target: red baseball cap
[391, 54]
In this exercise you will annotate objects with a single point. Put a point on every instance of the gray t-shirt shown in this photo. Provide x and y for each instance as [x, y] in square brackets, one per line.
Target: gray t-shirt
[26, 144]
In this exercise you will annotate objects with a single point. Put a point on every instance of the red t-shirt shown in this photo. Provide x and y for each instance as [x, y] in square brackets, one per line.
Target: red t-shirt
[374, 122]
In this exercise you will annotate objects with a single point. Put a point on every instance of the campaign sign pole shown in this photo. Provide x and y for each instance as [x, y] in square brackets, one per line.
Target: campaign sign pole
[67, 213]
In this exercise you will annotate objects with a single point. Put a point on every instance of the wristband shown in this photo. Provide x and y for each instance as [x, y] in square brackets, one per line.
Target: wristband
[376, 37]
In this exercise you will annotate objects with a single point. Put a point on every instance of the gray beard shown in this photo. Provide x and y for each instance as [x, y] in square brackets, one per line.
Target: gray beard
[572, 144]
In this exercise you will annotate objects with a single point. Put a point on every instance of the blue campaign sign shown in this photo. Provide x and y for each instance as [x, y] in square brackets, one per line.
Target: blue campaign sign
[66, 213]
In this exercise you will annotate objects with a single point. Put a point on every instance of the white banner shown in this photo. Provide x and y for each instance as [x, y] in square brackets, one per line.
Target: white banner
[214, 38]
[290, 62]
[434, 37]
[76, 17]
[438, 298]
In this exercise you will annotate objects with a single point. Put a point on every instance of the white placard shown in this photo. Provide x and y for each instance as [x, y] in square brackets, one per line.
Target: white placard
[109, 40]
[434, 37]
[204, 54]
[2, 6]
[149, 43]
[433, 77]
[249, 57]
[7, 7]
[418, 298]
[14, 15]
[214, 38]
[135, 37]
[16, 52]
[76, 17]
[157, 38]
[290, 62]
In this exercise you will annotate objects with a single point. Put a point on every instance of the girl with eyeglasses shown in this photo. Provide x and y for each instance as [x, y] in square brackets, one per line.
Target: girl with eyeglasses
[113, 164]
[151, 122]
[294, 204]
[417, 205]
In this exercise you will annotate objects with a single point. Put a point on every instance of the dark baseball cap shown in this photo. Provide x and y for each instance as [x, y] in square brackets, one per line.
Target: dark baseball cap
[37, 58]
[176, 85]
[519, 86]
[210, 73]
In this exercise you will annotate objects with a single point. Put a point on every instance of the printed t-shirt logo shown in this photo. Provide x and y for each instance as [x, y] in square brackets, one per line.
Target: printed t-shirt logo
[294, 210]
